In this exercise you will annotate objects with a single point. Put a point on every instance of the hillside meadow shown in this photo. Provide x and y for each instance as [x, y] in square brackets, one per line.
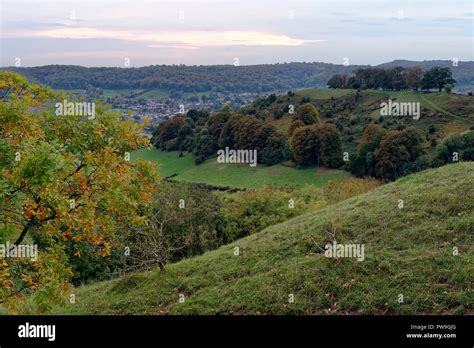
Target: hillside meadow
[410, 264]
[169, 164]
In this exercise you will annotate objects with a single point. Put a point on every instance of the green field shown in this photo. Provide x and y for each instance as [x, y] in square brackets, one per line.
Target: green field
[235, 175]
[324, 93]
[408, 252]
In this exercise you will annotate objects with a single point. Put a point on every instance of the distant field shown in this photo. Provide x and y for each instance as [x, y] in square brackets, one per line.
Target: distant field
[235, 175]
[153, 93]
[110, 93]
[323, 93]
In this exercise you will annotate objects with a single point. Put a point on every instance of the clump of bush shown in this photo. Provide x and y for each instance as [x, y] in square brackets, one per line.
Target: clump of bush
[339, 190]
[251, 211]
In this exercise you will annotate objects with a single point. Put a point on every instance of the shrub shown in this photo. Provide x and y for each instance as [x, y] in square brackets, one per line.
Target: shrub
[251, 211]
[339, 190]
[307, 114]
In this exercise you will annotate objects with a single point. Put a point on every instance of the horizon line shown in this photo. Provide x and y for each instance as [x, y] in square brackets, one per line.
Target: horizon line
[240, 65]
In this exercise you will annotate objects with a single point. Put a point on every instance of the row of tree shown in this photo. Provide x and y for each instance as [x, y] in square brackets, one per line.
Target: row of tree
[309, 141]
[206, 134]
[396, 79]
[388, 155]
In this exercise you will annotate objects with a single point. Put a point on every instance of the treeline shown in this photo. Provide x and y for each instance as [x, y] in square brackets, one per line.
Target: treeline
[309, 141]
[181, 78]
[203, 134]
[396, 79]
[218, 78]
[388, 155]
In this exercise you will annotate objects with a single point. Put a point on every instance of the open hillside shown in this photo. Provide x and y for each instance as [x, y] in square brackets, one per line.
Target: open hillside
[170, 164]
[351, 111]
[408, 254]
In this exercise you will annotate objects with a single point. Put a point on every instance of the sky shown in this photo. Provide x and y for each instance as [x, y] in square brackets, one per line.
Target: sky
[133, 33]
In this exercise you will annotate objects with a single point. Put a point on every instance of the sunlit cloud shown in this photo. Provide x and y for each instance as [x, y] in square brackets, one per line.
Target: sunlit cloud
[181, 39]
[102, 32]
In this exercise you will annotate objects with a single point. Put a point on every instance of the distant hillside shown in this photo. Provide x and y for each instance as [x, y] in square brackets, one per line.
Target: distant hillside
[352, 111]
[408, 256]
[220, 78]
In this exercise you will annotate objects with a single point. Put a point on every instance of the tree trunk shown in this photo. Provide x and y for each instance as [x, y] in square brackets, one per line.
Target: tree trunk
[25, 230]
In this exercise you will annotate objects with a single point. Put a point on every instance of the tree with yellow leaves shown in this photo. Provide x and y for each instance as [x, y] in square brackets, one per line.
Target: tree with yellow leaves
[62, 178]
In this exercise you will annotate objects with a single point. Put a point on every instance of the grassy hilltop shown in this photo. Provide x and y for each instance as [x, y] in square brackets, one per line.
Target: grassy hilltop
[442, 114]
[408, 251]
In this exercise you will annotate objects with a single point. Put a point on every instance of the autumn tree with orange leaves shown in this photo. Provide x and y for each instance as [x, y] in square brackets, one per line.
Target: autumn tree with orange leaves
[62, 179]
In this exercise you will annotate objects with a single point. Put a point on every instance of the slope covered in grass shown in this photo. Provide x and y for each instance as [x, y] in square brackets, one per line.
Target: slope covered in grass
[408, 252]
[211, 172]
[352, 111]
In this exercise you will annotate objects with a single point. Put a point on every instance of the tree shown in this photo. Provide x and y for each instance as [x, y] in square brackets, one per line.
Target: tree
[306, 146]
[246, 133]
[413, 77]
[307, 114]
[362, 163]
[437, 78]
[396, 150]
[184, 138]
[331, 147]
[204, 146]
[397, 79]
[337, 81]
[369, 77]
[63, 179]
[371, 137]
[250, 211]
[182, 221]
[273, 151]
[293, 126]
[215, 123]
[197, 114]
[353, 83]
[460, 144]
[227, 136]
[167, 131]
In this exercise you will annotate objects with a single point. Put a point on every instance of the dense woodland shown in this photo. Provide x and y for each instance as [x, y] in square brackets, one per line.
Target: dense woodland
[218, 78]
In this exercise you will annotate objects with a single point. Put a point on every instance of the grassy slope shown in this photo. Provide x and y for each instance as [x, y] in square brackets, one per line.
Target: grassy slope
[235, 175]
[453, 113]
[407, 252]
